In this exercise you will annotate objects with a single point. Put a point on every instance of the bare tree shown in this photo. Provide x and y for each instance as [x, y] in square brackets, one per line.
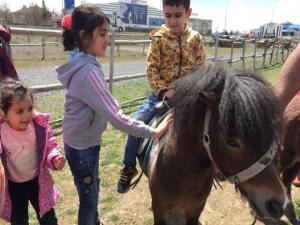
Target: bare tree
[4, 11]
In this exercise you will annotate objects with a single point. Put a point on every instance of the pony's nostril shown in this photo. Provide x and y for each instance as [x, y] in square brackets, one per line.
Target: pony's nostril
[274, 208]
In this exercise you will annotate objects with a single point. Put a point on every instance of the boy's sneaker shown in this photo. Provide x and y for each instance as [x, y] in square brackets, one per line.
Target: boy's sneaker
[127, 173]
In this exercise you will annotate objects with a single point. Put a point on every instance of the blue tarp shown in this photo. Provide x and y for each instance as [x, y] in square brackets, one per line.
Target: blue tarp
[294, 27]
[286, 25]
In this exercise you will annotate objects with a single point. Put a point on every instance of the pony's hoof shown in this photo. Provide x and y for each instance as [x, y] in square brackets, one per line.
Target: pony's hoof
[295, 222]
[273, 221]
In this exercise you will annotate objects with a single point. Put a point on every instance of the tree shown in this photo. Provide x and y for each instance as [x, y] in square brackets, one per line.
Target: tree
[4, 10]
[45, 12]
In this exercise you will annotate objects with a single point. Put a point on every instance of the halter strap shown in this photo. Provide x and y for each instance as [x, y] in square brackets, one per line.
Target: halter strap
[247, 173]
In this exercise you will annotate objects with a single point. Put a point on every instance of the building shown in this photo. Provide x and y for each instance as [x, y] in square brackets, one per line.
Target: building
[137, 14]
[31, 16]
[202, 26]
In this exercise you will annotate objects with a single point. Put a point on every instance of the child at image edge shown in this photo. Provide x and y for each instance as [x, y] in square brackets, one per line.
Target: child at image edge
[174, 52]
[28, 151]
[89, 105]
[2, 185]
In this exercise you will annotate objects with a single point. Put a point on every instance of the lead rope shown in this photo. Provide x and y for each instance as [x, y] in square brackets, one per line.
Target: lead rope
[254, 222]
[216, 182]
[147, 153]
[143, 167]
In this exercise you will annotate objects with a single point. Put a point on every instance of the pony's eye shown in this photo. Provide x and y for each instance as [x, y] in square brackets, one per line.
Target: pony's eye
[233, 143]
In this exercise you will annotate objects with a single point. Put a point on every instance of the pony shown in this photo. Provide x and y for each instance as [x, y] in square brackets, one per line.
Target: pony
[290, 155]
[224, 122]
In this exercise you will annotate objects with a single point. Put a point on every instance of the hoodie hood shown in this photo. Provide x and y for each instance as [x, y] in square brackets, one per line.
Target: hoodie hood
[164, 30]
[66, 71]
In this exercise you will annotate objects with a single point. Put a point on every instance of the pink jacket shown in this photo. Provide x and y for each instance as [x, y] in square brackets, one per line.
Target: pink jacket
[48, 150]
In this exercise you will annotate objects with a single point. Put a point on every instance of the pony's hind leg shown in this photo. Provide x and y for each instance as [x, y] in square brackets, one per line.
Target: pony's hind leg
[288, 176]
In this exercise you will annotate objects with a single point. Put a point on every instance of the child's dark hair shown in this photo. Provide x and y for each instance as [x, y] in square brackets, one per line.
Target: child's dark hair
[10, 88]
[85, 18]
[184, 3]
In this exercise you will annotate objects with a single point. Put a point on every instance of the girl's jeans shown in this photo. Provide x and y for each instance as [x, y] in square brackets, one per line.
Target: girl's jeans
[84, 165]
[145, 113]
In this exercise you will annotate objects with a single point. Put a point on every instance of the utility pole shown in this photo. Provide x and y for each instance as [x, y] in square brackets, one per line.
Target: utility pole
[225, 23]
[272, 15]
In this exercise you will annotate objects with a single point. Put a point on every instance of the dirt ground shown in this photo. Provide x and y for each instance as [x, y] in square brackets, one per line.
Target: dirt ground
[224, 207]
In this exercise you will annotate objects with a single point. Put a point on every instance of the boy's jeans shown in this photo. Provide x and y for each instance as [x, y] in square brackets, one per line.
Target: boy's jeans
[84, 165]
[145, 113]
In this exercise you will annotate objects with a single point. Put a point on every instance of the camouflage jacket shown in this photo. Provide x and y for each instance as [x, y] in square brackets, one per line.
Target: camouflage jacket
[170, 57]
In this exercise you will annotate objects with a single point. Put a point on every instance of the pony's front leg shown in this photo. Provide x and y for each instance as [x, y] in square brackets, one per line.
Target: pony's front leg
[158, 214]
[159, 222]
[290, 214]
[193, 222]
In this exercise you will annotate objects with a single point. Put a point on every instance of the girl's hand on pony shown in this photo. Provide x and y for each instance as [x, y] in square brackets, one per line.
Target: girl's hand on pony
[59, 162]
[163, 126]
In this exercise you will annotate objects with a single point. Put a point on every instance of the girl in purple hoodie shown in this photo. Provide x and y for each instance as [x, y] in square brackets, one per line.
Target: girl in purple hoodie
[89, 105]
[29, 150]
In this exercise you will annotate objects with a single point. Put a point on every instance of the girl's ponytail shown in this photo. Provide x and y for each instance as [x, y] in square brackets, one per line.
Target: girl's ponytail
[67, 35]
[68, 40]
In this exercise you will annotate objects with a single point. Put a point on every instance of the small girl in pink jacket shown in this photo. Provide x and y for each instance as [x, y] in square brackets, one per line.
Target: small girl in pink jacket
[28, 151]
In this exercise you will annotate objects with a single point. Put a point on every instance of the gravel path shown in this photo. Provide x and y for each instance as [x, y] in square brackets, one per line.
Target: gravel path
[47, 75]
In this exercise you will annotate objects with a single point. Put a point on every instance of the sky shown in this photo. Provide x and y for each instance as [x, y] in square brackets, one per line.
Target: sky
[241, 15]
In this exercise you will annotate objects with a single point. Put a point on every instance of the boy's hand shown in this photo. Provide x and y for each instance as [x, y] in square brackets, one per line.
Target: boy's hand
[59, 162]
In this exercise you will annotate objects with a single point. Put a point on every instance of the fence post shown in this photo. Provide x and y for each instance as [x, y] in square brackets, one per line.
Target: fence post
[254, 55]
[216, 48]
[118, 50]
[111, 57]
[231, 52]
[271, 54]
[43, 48]
[277, 52]
[144, 47]
[282, 51]
[243, 53]
[265, 53]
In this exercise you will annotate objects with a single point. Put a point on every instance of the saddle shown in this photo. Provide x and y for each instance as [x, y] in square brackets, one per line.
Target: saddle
[148, 144]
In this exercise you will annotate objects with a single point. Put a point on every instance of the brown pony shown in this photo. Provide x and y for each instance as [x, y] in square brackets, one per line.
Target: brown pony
[290, 156]
[223, 121]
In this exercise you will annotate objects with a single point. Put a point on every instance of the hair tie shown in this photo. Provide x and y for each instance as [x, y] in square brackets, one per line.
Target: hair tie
[66, 22]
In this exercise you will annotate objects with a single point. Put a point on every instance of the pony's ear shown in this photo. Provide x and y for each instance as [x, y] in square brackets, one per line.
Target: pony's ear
[209, 98]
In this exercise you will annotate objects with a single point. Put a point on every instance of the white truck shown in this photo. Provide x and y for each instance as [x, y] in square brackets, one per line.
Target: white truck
[117, 22]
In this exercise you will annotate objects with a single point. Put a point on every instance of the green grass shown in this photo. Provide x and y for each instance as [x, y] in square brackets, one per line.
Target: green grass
[271, 74]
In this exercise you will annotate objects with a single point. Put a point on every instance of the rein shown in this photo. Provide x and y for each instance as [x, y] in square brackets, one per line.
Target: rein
[247, 173]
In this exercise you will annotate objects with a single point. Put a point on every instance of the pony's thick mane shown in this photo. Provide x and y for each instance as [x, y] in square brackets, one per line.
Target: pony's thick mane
[246, 104]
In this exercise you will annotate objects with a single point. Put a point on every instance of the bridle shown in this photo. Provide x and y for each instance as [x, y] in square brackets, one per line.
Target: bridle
[247, 173]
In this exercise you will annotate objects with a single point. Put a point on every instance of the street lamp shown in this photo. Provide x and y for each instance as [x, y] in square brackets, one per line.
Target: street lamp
[225, 23]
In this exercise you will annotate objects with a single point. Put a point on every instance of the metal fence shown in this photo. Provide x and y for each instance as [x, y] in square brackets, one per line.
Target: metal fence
[259, 53]
[267, 52]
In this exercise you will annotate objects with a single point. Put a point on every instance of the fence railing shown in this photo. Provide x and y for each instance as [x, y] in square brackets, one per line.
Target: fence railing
[269, 52]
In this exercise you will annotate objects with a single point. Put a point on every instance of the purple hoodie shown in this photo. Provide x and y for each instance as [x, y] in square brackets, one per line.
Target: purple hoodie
[89, 105]
[48, 150]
